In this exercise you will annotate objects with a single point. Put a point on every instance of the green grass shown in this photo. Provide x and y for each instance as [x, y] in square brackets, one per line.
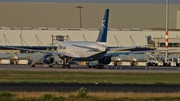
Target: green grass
[92, 96]
[88, 77]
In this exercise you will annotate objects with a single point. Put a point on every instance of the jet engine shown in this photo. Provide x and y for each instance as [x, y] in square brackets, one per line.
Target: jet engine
[48, 58]
[105, 60]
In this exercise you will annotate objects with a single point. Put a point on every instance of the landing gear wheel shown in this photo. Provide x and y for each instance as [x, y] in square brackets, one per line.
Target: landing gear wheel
[68, 66]
[65, 66]
[97, 67]
[66, 62]
[50, 65]
[32, 65]
[101, 66]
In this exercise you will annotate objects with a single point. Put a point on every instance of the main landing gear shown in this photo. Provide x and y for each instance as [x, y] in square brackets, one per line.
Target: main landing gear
[65, 66]
[97, 67]
[65, 62]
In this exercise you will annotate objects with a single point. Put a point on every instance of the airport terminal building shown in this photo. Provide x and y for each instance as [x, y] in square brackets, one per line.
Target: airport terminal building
[34, 24]
[129, 24]
[67, 15]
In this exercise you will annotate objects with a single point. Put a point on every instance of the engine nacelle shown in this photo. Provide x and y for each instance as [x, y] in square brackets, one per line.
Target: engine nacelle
[48, 59]
[105, 60]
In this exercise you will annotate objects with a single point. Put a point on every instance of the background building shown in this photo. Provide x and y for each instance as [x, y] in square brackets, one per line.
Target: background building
[67, 15]
[127, 22]
[30, 24]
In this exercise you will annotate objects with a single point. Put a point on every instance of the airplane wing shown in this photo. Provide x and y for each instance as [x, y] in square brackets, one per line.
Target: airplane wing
[71, 55]
[152, 51]
[119, 48]
[43, 51]
[108, 48]
[134, 52]
[31, 50]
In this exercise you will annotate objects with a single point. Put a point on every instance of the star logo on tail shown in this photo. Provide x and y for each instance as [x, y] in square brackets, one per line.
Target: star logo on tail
[102, 25]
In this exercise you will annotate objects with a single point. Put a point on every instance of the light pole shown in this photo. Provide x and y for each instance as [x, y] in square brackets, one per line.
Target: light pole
[45, 13]
[167, 25]
[80, 7]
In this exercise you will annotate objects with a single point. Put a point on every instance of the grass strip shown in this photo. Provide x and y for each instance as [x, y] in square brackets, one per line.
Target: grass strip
[88, 77]
[92, 96]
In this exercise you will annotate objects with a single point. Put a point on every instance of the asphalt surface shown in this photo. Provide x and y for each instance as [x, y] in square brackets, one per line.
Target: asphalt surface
[86, 69]
[90, 87]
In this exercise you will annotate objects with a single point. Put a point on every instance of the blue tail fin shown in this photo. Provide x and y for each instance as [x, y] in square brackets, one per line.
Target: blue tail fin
[104, 27]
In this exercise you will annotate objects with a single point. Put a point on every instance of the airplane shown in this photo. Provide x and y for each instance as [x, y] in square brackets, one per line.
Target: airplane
[83, 50]
[79, 50]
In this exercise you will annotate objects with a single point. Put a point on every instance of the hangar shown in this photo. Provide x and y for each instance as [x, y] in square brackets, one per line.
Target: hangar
[126, 22]
[67, 15]
[130, 24]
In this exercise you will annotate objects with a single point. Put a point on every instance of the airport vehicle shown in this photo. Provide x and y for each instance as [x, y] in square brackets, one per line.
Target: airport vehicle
[92, 64]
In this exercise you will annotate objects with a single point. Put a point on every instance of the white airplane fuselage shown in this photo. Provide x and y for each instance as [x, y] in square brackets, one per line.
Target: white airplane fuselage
[82, 51]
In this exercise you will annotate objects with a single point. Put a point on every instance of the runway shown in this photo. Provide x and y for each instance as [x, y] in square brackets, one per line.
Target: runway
[86, 69]
[90, 87]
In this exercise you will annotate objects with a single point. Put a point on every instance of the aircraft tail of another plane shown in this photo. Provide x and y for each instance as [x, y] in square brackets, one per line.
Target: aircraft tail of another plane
[104, 28]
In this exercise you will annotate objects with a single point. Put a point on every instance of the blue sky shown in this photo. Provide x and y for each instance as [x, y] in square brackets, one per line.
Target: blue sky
[100, 1]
